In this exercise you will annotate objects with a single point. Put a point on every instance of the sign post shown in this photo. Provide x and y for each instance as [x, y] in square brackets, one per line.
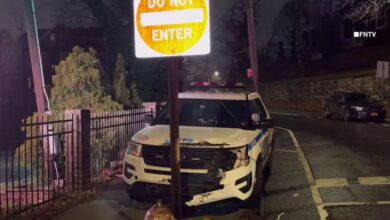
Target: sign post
[172, 28]
[174, 135]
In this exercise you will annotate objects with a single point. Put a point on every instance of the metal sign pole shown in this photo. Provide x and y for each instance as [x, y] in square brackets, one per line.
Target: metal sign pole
[252, 43]
[174, 135]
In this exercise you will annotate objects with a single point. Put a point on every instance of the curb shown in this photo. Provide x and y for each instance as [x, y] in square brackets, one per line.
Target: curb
[303, 113]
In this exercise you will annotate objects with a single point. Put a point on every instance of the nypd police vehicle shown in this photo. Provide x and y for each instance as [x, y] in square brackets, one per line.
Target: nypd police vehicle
[226, 142]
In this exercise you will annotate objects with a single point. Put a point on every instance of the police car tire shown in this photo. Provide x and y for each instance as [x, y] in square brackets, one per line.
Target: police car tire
[258, 188]
[268, 169]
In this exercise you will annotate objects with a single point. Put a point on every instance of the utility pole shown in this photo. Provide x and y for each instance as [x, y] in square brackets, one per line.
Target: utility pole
[35, 56]
[252, 42]
[41, 97]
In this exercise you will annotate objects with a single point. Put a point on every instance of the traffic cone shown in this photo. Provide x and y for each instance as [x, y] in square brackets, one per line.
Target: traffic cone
[159, 212]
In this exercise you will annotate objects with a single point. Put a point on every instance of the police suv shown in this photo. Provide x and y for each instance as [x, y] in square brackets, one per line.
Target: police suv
[226, 142]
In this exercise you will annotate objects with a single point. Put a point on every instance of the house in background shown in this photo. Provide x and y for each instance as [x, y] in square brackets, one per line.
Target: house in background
[15, 90]
[58, 42]
[327, 44]
[17, 98]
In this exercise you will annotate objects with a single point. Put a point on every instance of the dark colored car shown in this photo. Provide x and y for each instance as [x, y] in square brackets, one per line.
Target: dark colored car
[350, 106]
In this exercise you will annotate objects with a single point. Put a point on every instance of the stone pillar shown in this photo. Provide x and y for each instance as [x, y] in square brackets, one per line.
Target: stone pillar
[78, 151]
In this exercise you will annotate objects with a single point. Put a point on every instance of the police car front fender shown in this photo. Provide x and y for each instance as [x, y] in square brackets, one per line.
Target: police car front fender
[233, 183]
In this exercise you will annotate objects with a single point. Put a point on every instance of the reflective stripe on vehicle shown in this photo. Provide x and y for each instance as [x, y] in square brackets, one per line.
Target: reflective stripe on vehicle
[257, 139]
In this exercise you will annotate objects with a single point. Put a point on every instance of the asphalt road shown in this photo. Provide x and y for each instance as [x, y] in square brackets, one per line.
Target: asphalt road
[322, 169]
[349, 164]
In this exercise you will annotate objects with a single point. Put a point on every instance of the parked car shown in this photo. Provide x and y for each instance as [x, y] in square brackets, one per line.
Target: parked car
[226, 141]
[350, 106]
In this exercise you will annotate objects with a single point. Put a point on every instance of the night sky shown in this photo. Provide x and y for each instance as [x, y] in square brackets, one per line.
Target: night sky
[268, 9]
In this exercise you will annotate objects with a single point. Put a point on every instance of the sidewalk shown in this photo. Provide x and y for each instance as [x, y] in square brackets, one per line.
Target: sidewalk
[108, 205]
[112, 203]
[294, 113]
[306, 113]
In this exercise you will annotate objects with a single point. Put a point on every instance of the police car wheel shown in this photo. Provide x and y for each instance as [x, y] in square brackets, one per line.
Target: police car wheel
[258, 188]
[256, 200]
[268, 170]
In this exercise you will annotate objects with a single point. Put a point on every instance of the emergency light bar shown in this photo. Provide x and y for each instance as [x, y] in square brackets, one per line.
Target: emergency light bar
[226, 85]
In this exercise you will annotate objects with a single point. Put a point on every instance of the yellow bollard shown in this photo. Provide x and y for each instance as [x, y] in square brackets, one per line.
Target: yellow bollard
[159, 212]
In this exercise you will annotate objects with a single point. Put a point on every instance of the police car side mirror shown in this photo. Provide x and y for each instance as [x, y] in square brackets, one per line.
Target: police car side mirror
[261, 123]
[148, 118]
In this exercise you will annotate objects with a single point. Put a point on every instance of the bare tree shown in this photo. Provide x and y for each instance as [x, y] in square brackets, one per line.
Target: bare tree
[290, 23]
[73, 13]
[363, 10]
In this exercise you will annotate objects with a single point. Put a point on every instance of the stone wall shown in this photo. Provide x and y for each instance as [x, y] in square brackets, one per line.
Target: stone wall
[308, 94]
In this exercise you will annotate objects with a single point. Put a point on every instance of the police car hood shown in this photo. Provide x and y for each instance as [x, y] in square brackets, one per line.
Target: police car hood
[197, 136]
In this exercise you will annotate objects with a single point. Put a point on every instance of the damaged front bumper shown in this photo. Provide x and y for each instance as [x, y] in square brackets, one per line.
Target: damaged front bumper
[199, 186]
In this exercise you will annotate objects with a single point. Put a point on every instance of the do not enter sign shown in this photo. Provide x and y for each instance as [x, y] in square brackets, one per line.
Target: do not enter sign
[165, 28]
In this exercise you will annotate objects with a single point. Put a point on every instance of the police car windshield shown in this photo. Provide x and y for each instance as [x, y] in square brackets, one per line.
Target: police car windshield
[209, 113]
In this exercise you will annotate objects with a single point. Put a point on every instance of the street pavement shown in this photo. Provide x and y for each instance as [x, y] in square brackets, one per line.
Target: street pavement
[322, 169]
[349, 164]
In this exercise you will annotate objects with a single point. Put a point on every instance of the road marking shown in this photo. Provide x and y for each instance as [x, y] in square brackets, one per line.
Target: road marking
[293, 114]
[310, 178]
[365, 181]
[341, 204]
[322, 183]
[386, 125]
[284, 113]
[378, 180]
[280, 216]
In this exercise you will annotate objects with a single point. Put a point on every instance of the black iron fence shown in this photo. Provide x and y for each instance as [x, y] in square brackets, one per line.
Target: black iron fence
[110, 133]
[32, 164]
[46, 160]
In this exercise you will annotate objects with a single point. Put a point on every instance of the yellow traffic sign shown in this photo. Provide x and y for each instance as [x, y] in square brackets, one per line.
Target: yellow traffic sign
[165, 28]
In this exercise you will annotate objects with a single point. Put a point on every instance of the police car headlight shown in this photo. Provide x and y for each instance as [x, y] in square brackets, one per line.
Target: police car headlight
[242, 158]
[134, 149]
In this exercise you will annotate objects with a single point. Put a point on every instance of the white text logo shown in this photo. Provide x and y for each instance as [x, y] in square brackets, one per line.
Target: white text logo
[364, 34]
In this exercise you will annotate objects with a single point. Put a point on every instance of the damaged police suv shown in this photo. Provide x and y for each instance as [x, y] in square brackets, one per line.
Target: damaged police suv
[226, 142]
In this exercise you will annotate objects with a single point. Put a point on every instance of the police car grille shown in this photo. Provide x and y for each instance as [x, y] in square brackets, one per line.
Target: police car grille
[191, 158]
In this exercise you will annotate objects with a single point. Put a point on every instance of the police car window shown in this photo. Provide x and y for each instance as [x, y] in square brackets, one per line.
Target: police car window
[257, 107]
[210, 113]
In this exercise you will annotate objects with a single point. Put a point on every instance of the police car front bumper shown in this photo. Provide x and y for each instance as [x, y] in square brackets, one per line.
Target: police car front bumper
[199, 187]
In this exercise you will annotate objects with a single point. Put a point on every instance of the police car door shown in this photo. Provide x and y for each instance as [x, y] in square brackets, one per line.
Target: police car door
[257, 106]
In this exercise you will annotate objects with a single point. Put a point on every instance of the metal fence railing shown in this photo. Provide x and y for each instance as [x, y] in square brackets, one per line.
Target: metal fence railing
[110, 133]
[39, 165]
[32, 165]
